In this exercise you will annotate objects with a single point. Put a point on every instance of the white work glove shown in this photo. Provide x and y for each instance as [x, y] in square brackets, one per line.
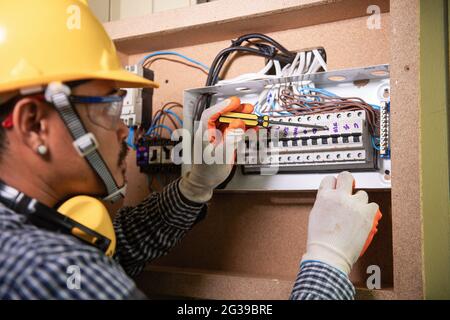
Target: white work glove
[198, 184]
[341, 225]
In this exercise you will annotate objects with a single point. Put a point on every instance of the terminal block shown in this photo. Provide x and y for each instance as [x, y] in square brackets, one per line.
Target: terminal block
[346, 144]
[154, 155]
[385, 149]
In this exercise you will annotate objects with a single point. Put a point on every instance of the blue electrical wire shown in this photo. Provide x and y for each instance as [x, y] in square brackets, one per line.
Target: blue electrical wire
[175, 115]
[302, 90]
[156, 119]
[152, 128]
[318, 90]
[172, 53]
[256, 109]
[374, 145]
[149, 131]
[130, 139]
[330, 94]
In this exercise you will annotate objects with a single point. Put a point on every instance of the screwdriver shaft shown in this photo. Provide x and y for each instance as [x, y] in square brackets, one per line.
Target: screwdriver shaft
[293, 124]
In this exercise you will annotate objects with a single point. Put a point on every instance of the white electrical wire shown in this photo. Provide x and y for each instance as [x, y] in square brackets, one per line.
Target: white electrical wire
[277, 68]
[308, 61]
[303, 63]
[314, 67]
[319, 58]
[294, 64]
[266, 69]
[262, 74]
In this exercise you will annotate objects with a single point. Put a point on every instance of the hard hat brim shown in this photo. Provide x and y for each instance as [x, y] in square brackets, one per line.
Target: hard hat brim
[125, 79]
[122, 79]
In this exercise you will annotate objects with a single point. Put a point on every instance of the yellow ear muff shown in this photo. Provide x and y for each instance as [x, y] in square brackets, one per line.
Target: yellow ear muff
[90, 212]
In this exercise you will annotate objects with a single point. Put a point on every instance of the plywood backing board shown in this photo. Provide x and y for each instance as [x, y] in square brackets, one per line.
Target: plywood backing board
[264, 234]
[348, 43]
[367, 47]
[256, 236]
[406, 211]
[163, 283]
[221, 20]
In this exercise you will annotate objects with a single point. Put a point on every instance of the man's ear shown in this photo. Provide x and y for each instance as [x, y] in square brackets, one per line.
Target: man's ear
[30, 119]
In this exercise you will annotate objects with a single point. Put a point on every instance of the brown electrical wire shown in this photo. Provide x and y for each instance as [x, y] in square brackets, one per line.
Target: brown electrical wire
[169, 106]
[306, 104]
[163, 116]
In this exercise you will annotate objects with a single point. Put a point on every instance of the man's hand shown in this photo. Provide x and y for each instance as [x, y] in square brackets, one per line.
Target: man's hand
[341, 225]
[198, 184]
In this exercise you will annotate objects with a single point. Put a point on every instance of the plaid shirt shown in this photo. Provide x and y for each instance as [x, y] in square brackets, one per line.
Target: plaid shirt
[40, 264]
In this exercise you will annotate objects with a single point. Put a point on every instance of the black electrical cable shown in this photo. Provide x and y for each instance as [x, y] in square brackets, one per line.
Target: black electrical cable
[274, 51]
[221, 58]
[266, 47]
[223, 55]
[263, 37]
[262, 49]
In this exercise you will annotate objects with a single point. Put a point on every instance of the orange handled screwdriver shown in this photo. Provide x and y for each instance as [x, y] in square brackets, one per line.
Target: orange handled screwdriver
[253, 120]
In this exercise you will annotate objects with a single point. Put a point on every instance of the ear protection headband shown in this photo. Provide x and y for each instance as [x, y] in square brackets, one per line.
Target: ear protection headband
[83, 217]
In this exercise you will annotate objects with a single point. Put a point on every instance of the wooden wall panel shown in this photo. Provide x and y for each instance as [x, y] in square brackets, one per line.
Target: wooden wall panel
[405, 117]
[264, 235]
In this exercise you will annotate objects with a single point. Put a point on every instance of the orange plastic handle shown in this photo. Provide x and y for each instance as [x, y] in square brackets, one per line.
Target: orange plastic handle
[233, 106]
[373, 230]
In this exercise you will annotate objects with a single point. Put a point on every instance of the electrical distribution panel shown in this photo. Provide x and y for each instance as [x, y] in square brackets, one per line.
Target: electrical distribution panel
[302, 157]
[155, 156]
[345, 145]
[137, 105]
[132, 104]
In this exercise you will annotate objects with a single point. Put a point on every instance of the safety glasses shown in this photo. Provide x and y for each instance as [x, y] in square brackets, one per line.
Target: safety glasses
[103, 111]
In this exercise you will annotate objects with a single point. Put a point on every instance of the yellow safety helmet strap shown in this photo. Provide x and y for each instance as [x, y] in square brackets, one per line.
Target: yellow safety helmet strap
[84, 142]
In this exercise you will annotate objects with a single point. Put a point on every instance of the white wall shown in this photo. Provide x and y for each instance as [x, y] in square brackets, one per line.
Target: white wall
[109, 10]
[101, 9]
[161, 5]
[121, 9]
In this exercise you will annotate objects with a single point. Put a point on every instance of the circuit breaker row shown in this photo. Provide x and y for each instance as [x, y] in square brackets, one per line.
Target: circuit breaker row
[345, 143]
[133, 112]
[313, 157]
[132, 103]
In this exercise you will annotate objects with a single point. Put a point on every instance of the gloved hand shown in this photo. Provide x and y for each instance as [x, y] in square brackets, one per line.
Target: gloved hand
[341, 225]
[198, 184]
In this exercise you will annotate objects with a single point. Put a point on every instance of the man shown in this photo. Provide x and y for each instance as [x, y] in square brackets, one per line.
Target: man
[61, 136]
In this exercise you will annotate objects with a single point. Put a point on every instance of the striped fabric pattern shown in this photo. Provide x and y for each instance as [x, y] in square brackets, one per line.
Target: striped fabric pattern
[319, 281]
[37, 263]
[152, 228]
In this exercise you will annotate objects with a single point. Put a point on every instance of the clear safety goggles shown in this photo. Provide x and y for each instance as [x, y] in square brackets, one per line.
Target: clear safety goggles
[103, 111]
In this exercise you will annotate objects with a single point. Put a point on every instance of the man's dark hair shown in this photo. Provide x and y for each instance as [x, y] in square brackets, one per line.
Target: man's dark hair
[5, 110]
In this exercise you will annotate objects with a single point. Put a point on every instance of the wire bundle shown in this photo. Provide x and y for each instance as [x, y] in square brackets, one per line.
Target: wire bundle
[305, 62]
[256, 44]
[158, 123]
[316, 101]
[146, 59]
[265, 47]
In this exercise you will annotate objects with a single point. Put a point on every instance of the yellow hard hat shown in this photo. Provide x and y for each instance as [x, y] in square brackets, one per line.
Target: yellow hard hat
[56, 40]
